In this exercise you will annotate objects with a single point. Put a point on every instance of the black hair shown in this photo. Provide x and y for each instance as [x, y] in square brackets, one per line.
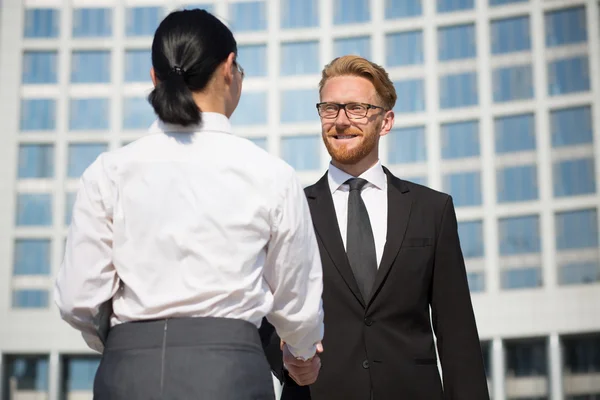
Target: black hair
[188, 47]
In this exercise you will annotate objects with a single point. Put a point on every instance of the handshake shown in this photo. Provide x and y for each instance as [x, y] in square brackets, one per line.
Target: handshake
[301, 371]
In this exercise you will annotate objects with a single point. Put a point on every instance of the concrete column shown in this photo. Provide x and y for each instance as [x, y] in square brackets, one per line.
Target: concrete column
[498, 370]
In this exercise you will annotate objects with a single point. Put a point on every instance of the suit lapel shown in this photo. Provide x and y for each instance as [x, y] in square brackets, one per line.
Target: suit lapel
[399, 206]
[327, 228]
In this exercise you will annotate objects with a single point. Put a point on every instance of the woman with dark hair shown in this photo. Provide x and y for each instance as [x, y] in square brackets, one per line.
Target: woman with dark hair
[189, 237]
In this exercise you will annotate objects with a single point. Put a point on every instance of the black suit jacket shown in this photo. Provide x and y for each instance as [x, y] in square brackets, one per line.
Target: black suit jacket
[385, 344]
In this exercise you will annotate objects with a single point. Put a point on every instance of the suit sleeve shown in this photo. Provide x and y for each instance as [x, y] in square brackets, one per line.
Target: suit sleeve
[453, 318]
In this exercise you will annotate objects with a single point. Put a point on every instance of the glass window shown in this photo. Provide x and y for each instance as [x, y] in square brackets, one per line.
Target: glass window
[458, 90]
[471, 238]
[526, 358]
[90, 66]
[89, 114]
[32, 257]
[39, 67]
[36, 161]
[513, 83]
[253, 57]
[301, 152]
[41, 23]
[69, 203]
[502, 2]
[510, 35]
[38, 114]
[260, 142]
[92, 22]
[299, 14]
[137, 65]
[476, 281]
[34, 209]
[248, 16]
[444, 6]
[137, 113]
[581, 354]
[565, 26]
[514, 133]
[142, 21]
[403, 8]
[411, 96]
[79, 373]
[407, 145]
[360, 46]
[576, 229]
[29, 373]
[251, 110]
[519, 235]
[404, 48]
[299, 105]
[518, 183]
[569, 75]
[578, 273]
[574, 177]
[456, 42]
[81, 155]
[351, 11]
[30, 298]
[571, 126]
[521, 278]
[464, 187]
[460, 139]
[300, 58]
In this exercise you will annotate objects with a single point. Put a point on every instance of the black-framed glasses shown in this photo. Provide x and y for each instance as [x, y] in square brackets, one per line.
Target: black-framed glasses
[330, 110]
[239, 68]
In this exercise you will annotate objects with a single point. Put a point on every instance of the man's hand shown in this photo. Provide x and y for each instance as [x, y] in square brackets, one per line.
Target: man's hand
[302, 372]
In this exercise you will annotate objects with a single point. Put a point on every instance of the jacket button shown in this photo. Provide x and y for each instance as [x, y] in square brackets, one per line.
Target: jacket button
[368, 321]
[365, 364]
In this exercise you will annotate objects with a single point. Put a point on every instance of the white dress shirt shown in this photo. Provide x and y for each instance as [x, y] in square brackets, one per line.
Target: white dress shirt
[374, 195]
[193, 222]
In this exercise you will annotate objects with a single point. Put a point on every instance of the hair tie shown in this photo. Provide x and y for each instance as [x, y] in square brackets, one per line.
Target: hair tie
[177, 70]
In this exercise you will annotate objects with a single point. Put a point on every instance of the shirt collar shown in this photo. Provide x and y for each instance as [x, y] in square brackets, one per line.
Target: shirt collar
[210, 122]
[374, 175]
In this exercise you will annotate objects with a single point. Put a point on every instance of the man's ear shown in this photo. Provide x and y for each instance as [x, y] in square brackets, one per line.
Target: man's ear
[388, 123]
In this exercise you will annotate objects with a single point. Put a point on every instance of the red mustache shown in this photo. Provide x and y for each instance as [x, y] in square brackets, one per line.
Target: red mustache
[335, 132]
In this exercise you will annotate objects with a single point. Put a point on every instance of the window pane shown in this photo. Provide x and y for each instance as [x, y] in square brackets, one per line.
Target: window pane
[38, 114]
[29, 372]
[301, 152]
[454, 5]
[359, 46]
[581, 354]
[404, 48]
[30, 298]
[571, 126]
[299, 105]
[464, 187]
[402, 8]
[260, 142]
[251, 110]
[253, 58]
[565, 26]
[34, 209]
[36, 161]
[521, 278]
[407, 145]
[501, 2]
[300, 58]
[248, 16]
[39, 67]
[90, 67]
[351, 11]
[69, 202]
[569, 75]
[137, 113]
[142, 21]
[460, 139]
[41, 23]
[89, 114]
[476, 281]
[81, 156]
[456, 42]
[577, 229]
[471, 238]
[79, 374]
[458, 90]
[411, 96]
[579, 273]
[519, 235]
[510, 35]
[574, 177]
[92, 22]
[299, 14]
[513, 83]
[137, 65]
[515, 133]
[32, 257]
[517, 183]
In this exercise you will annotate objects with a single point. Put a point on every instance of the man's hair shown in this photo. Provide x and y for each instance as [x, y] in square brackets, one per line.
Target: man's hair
[358, 66]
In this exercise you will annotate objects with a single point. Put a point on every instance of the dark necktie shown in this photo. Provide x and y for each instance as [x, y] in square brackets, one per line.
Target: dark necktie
[360, 244]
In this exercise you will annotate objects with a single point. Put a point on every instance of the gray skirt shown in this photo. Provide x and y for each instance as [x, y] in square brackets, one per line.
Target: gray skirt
[184, 359]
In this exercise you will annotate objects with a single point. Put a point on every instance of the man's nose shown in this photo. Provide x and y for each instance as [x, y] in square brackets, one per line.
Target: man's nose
[342, 119]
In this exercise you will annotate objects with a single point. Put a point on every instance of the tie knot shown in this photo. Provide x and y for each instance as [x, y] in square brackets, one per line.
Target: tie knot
[356, 183]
